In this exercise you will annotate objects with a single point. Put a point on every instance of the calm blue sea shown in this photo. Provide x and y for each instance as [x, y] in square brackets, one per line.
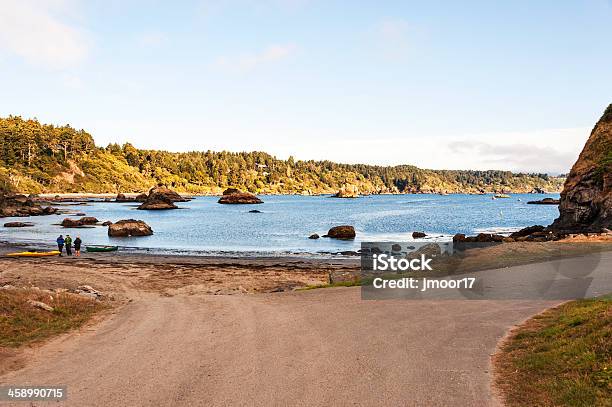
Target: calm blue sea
[203, 226]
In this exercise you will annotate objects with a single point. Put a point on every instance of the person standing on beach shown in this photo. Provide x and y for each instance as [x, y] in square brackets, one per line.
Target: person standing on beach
[77, 246]
[68, 242]
[60, 244]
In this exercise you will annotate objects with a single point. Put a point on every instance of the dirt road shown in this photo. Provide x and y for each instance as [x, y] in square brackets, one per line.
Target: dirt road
[318, 347]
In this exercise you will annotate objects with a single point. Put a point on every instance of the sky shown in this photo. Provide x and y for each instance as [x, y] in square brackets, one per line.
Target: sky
[442, 84]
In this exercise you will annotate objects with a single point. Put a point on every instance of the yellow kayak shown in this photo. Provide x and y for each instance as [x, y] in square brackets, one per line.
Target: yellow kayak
[34, 254]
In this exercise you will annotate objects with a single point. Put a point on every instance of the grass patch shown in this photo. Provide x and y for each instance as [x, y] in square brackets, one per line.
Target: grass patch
[562, 357]
[22, 323]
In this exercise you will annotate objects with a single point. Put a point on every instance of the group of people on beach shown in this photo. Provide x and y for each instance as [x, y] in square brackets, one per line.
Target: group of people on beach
[67, 241]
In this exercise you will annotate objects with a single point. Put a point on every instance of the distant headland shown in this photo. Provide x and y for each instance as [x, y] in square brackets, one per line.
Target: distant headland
[42, 158]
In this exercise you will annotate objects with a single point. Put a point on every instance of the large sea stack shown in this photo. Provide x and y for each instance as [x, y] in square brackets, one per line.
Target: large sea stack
[167, 192]
[157, 201]
[586, 200]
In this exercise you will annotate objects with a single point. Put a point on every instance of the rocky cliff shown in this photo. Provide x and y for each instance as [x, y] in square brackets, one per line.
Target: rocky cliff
[586, 199]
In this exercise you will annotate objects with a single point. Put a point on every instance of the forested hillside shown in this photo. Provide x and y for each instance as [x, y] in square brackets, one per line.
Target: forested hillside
[37, 158]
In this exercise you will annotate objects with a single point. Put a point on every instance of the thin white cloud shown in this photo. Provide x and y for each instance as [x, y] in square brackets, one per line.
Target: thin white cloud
[392, 37]
[151, 39]
[247, 62]
[36, 32]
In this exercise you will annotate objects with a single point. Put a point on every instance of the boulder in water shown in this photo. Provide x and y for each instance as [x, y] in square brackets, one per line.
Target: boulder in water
[341, 232]
[18, 224]
[129, 227]
[76, 223]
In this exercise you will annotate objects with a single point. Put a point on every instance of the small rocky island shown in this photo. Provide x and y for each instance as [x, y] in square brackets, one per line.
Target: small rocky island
[235, 196]
[158, 198]
[545, 201]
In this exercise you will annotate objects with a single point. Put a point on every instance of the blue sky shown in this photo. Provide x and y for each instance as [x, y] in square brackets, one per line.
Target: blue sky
[509, 85]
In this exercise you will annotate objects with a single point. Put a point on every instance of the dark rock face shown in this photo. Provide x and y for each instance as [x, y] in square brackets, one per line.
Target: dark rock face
[14, 205]
[18, 224]
[157, 201]
[141, 198]
[129, 227]
[586, 200]
[545, 201]
[239, 198]
[313, 236]
[341, 232]
[77, 223]
[255, 211]
[418, 235]
[107, 223]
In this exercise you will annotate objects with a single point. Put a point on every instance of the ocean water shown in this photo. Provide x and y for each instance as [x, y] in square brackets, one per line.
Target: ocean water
[205, 227]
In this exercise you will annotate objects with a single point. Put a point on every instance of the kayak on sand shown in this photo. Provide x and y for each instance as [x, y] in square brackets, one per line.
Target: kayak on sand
[34, 254]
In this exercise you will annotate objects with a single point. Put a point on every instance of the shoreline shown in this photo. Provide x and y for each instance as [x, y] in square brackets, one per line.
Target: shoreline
[104, 195]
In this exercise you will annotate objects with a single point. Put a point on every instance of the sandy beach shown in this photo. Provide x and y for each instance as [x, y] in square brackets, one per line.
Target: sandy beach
[219, 331]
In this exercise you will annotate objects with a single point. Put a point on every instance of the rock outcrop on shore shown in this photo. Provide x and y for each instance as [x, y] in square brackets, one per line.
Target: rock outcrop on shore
[238, 197]
[341, 232]
[586, 199]
[536, 233]
[479, 238]
[15, 205]
[129, 227]
[347, 191]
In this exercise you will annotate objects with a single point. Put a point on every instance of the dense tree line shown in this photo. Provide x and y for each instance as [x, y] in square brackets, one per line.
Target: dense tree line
[36, 157]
